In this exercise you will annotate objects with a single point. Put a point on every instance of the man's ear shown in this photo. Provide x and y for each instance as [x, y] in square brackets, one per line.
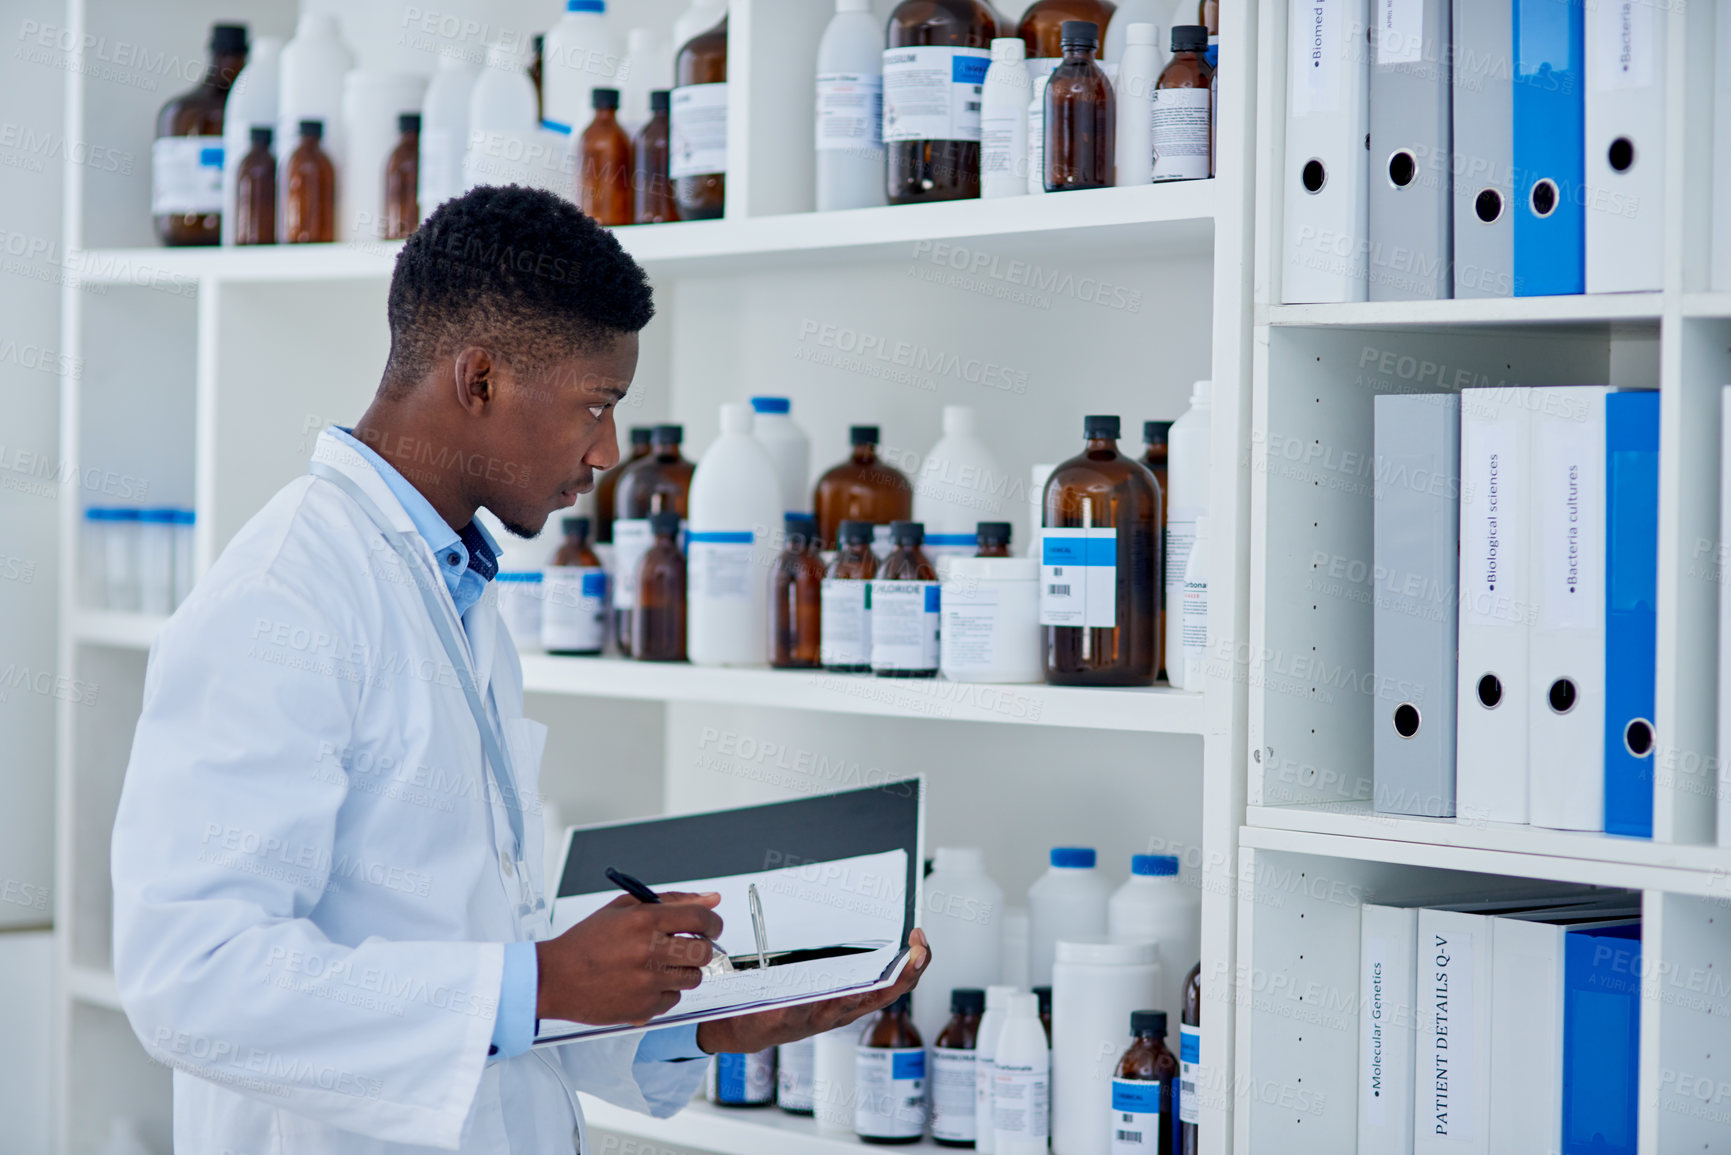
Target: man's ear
[475, 376]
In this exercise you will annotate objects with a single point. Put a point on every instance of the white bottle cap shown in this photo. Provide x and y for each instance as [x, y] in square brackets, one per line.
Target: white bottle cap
[1104, 952]
[853, 5]
[958, 419]
[736, 418]
[999, 996]
[1201, 392]
[319, 25]
[1024, 1007]
[1142, 34]
[1008, 49]
[969, 858]
[505, 55]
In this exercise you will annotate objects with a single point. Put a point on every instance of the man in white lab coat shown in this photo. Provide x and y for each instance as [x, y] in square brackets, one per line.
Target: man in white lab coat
[327, 856]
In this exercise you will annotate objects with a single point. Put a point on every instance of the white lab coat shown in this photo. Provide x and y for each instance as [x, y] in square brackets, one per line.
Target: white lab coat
[313, 875]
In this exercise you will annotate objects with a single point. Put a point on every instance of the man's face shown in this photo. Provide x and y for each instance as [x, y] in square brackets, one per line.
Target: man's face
[556, 429]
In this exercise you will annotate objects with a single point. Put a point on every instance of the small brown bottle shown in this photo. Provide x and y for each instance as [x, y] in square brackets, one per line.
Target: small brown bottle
[651, 185]
[574, 595]
[905, 608]
[890, 1077]
[186, 160]
[992, 539]
[403, 178]
[574, 548]
[935, 169]
[1154, 435]
[1098, 512]
[255, 193]
[604, 183]
[536, 56]
[1142, 1086]
[846, 634]
[697, 129]
[1042, 26]
[1208, 15]
[1183, 114]
[658, 483]
[310, 210]
[954, 1070]
[658, 621]
[1081, 116]
[796, 598]
[862, 488]
[1189, 1107]
[1043, 995]
[608, 484]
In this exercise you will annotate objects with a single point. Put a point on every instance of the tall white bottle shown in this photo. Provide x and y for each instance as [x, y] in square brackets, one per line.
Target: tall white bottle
[735, 510]
[1138, 72]
[788, 447]
[991, 1029]
[1004, 121]
[961, 919]
[310, 87]
[1133, 12]
[372, 102]
[579, 55]
[850, 110]
[1187, 456]
[1154, 905]
[959, 485]
[503, 131]
[1068, 901]
[648, 66]
[832, 1076]
[1022, 1082]
[445, 132]
[251, 101]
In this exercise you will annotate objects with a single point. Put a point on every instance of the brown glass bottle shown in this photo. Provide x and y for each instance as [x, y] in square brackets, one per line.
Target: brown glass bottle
[1100, 488]
[848, 649]
[796, 598]
[255, 193]
[1154, 457]
[608, 484]
[658, 483]
[652, 188]
[658, 622]
[1148, 1061]
[1190, 1025]
[992, 539]
[1042, 26]
[574, 549]
[907, 562]
[604, 173]
[953, 1069]
[893, 1030]
[937, 170]
[1208, 15]
[1081, 116]
[402, 178]
[536, 56]
[310, 209]
[1188, 69]
[862, 488]
[703, 60]
[186, 188]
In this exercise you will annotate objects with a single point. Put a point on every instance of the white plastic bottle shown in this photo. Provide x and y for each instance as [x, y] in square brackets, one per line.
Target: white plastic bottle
[251, 101]
[735, 509]
[310, 87]
[1096, 984]
[1153, 905]
[647, 67]
[1130, 13]
[788, 447]
[502, 125]
[832, 1077]
[1068, 901]
[1138, 72]
[850, 110]
[1187, 456]
[793, 1076]
[445, 132]
[962, 906]
[998, 999]
[1193, 615]
[958, 485]
[1040, 70]
[579, 55]
[1022, 1082]
[1004, 122]
[372, 102]
[1014, 953]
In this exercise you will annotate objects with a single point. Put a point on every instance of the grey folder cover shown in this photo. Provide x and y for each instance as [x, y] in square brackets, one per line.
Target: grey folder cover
[1484, 148]
[1411, 156]
[1413, 619]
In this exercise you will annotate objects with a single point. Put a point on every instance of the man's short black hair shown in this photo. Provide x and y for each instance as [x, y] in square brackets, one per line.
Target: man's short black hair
[519, 271]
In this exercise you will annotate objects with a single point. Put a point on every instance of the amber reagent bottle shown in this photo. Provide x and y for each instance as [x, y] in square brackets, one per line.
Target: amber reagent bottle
[604, 183]
[796, 598]
[651, 186]
[862, 488]
[932, 147]
[402, 179]
[1081, 116]
[310, 209]
[658, 622]
[186, 160]
[255, 193]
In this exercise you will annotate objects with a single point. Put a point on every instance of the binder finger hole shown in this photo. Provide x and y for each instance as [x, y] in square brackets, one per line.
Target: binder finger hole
[1490, 691]
[1562, 695]
[1488, 205]
[1621, 154]
[1638, 737]
[1545, 198]
[1406, 719]
[1402, 167]
[1314, 176]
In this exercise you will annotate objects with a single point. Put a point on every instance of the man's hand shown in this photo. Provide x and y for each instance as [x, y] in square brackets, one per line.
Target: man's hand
[744, 1034]
[627, 962]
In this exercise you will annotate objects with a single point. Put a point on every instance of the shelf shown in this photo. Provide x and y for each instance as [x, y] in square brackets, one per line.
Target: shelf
[93, 987]
[738, 1131]
[120, 630]
[1712, 306]
[1517, 312]
[1157, 710]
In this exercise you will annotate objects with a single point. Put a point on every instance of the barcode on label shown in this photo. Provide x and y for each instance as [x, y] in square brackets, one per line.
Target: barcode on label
[1129, 1136]
[1187, 1087]
[973, 106]
[1062, 591]
[1126, 1117]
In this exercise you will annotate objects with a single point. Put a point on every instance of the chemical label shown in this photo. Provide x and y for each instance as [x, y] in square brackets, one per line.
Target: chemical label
[892, 1092]
[1037, 128]
[186, 175]
[933, 93]
[1180, 540]
[1135, 1126]
[953, 1094]
[742, 1078]
[720, 567]
[1021, 1099]
[905, 624]
[969, 630]
[794, 1087]
[845, 622]
[697, 130]
[938, 546]
[1189, 1075]
[573, 608]
[985, 1079]
[1182, 123]
[1079, 577]
[850, 112]
[1193, 629]
[631, 540]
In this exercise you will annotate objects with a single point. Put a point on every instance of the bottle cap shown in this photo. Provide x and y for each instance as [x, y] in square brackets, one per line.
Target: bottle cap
[539, 40]
[862, 434]
[1106, 952]
[1076, 856]
[667, 434]
[967, 1001]
[586, 6]
[992, 533]
[1142, 34]
[998, 996]
[1148, 1023]
[261, 135]
[660, 100]
[1202, 392]
[799, 526]
[313, 128]
[1082, 33]
[1009, 50]
[227, 39]
[736, 417]
[958, 419]
[662, 524]
[1154, 865]
[409, 122]
[641, 435]
[855, 532]
[1100, 425]
[853, 5]
[1155, 432]
[771, 404]
[1189, 38]
[901, 1006]
[968, 858]
[907, 532]
[575, 526]
[604, 99]
[1022, 1006]
[1043, 999]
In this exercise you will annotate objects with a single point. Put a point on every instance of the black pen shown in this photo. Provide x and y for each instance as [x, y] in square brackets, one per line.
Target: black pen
[642, 893]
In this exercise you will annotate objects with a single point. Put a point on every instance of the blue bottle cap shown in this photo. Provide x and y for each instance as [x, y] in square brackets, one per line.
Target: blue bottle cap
[771, 404]
[1082, 856]
[1154, 864]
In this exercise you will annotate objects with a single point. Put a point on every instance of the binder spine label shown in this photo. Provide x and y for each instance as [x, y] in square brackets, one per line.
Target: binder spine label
[1623, 47]
[1447, 1068]
[1322, 49]
[1400, 31]
[1490, 498]
[1567, 502]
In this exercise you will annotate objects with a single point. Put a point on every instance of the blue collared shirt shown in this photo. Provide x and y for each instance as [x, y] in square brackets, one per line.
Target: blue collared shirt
[468, 559]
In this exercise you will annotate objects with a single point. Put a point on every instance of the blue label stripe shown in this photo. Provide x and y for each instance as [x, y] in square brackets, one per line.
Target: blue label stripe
[932, 599]
[595, 584]
[951, 538]
[1079, 551]
[969, 69]
[1135, 1097]
[908, 1065]
[210, 157]
[719, 538]
[1189, 1046]
[555, 126]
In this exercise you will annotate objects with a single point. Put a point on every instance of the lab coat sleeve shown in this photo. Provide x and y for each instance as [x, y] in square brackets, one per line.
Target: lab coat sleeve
[222, 847]
[612, 1068]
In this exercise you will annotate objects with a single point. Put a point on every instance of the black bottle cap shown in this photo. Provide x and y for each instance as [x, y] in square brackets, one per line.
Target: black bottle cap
[663, 524]
[313, 128]
[855, 532]
[901, 1006]
[1100, 425]
[261, 135]
[227, 39]
[660, 100]
[409, 122]
[575, 525]
[604, 98]
[1044, 994]
[967, 1001]
[801, 526]
[862, 434]
[1148, 1022]
[539, 40]
[1082, 33]
[667, 434]
[1189, 38]
[1154, 432]
[907, 532]
[641, 435]
[992, 533]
